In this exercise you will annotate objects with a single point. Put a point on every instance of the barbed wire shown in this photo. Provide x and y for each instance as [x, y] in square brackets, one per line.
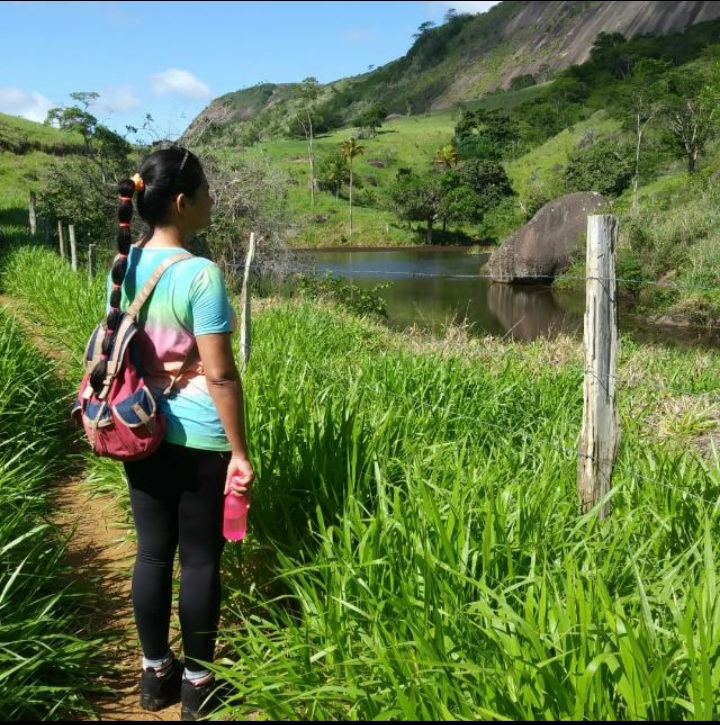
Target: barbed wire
[451, 416]
[571, 452]
[633, 475]
[542, 280]
[604, 384]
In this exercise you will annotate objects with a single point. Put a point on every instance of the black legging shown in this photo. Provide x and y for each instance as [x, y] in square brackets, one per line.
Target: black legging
[177, 499]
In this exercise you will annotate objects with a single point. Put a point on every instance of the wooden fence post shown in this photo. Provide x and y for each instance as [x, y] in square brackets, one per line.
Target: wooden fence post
[600, 438]
[33, 214]
[246, 325]
[91, 262]
[62, 241]
[73, 248]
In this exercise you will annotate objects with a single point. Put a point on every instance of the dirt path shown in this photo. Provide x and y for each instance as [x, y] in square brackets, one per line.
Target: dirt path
[100, 552]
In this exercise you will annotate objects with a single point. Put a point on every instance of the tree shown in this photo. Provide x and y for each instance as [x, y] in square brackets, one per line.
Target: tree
[610, 52]
[350, 149]
[526, 80]
[308, 94]
[333, 172]
[373, 118]
[691, 98]
[425, 28]
[103, 147]
[638, 103]
[486, 134]
[83, 190]
[77, 118]
[419, 199]
[489, 182]
[463, 194]
[604, 167]
[250, 196]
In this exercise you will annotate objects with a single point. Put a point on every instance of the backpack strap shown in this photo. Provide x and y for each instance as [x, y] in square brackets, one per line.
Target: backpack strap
[149, 287]
[127, 327]
[192, 357]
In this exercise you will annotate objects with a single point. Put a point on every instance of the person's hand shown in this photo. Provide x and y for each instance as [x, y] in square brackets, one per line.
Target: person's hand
[240, 477]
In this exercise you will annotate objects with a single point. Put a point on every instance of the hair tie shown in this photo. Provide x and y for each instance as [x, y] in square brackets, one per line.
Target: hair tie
[124, 226]
[139, 183]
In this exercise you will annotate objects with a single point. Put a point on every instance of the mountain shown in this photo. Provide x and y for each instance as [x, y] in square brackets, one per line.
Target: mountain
[542, 38]
[513, 44]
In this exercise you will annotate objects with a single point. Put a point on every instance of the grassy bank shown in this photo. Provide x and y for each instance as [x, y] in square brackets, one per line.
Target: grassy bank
[416, 549]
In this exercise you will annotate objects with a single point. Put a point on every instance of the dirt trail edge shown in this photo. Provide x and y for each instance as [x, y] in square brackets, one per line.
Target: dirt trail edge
[100, 552]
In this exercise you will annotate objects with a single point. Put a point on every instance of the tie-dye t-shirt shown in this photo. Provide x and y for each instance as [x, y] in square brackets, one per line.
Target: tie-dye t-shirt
[189, 301]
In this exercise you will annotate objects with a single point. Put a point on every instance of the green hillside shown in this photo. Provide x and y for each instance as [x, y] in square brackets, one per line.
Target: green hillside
[513, 45]
[26, 148]
[406, 142]
[19, 136]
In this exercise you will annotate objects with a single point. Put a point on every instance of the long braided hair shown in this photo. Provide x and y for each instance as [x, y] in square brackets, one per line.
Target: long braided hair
[163, 177]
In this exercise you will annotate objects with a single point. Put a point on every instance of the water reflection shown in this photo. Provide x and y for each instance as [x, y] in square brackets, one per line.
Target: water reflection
[527, 313]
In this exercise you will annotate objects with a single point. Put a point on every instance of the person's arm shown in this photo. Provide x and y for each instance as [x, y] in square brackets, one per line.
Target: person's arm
[226, 390]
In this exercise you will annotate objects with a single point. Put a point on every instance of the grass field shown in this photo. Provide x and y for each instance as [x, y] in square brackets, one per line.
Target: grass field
[26, 148]
[416, 551]
[17, 134]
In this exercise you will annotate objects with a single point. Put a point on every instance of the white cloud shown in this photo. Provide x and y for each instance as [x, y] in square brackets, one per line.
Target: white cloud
[179, 83]
[116, 100]
[16, 102]
[464, 7]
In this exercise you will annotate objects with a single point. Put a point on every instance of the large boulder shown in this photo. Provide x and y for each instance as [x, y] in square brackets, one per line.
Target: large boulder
[543, 249]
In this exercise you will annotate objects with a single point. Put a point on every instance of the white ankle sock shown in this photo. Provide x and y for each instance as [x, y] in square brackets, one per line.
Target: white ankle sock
[198, 678]
[161, 667]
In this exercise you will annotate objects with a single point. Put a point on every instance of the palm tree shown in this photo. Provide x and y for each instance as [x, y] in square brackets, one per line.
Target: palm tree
[446, 156]
[350, 149]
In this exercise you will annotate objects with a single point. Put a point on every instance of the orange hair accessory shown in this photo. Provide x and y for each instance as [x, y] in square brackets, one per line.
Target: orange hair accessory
[139, 183]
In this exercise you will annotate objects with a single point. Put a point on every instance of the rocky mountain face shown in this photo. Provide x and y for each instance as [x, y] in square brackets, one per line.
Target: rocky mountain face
[474, 55]
[550, 36]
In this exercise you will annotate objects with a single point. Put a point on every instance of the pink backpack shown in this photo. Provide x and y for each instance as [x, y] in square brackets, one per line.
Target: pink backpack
[123, 421]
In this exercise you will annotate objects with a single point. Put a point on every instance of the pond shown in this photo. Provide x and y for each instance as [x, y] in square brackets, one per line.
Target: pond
[429, 288]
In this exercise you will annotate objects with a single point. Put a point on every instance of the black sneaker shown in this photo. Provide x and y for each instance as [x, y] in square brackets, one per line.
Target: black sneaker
[157, 693]
[198, 701]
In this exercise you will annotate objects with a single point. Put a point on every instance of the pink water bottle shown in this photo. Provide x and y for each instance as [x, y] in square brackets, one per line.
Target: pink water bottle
[235, 518]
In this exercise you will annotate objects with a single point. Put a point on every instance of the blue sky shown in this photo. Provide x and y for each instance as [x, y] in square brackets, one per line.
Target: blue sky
[170, 59]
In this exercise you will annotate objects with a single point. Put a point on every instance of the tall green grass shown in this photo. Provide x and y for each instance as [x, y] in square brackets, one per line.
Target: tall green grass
[66, 305]
[433, 564]
[416, 549]
[47, 659]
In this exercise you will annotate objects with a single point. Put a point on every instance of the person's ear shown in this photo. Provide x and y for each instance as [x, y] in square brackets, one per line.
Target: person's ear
[181, 203]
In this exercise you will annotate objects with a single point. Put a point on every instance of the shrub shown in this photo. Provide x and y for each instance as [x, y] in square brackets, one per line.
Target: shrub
[362, 302]
[604, 167]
